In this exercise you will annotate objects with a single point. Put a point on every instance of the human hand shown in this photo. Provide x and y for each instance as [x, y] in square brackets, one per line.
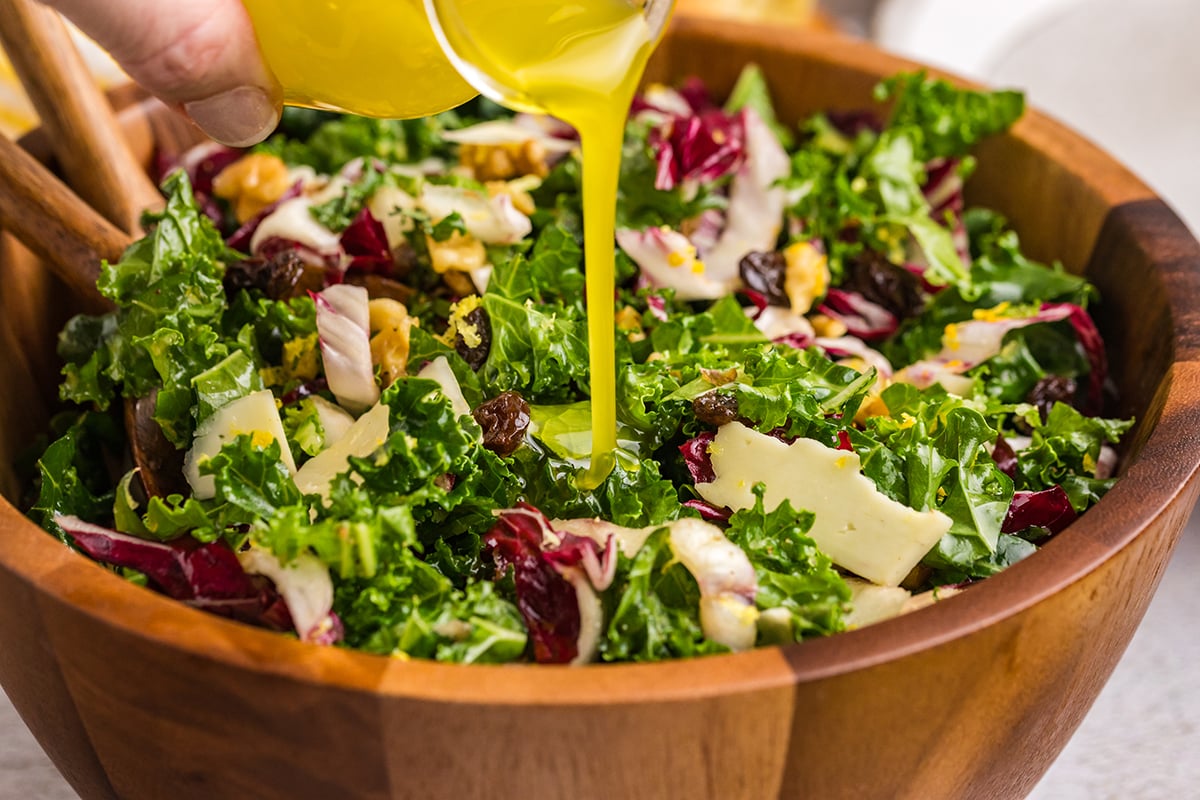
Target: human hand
[200, 56]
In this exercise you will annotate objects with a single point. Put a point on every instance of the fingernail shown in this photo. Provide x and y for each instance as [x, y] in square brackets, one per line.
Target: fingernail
[238, 118]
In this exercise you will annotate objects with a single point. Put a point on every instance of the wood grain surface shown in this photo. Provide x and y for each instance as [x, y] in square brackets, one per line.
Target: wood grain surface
[75, 114]
[51, 219]
[134, 696]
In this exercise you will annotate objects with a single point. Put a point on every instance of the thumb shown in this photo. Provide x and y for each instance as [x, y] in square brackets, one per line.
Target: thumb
[200, 55]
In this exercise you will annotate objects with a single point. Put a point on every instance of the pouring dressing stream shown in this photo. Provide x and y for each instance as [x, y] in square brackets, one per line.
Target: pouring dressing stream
[580, 62]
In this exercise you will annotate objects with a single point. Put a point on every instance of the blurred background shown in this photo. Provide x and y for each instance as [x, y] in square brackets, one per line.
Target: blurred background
[1123, 74]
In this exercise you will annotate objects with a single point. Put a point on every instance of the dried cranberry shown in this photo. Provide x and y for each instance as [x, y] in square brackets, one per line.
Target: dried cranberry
[884, 284]
[766, 273]
[477, 355]
[1050, 390]
[715, 408]
[504, 420]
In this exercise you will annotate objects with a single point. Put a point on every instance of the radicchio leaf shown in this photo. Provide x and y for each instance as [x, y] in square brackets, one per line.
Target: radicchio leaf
[708, 512]
[240, 239]
[491, 220]
[291, 224]
[1093, 346]
[667, 259]
[851, 347]
[545, 567]
[756, 201]
[700, 147]
[968, 344]
[1050, 509]
[365, 242]
[1005, 457]
[206, 576]
[305, 586]
[343, 326]
[862, 318]
[697, 459]
[202, 164]
[852, 123]
[943, 191]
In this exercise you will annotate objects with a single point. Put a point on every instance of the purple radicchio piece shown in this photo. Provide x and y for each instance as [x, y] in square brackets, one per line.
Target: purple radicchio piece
[1050, 509]
[697, 459]
[1005, 457]
[365, 243]
[206, 576]
[241, 238]
[699, 147]
[863, 319]
[555, 575]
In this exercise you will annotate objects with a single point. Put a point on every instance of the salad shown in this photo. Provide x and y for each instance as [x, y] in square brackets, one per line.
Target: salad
[344, 392]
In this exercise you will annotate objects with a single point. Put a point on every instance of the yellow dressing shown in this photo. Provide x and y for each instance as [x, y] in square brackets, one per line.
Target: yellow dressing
[378, 59]
[580, 62]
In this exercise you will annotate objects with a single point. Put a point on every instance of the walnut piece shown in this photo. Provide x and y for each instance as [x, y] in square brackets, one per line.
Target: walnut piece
[390, 328]
[252, 183]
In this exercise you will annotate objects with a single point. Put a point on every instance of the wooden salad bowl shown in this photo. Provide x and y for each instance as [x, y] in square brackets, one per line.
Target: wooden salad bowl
[136, 696]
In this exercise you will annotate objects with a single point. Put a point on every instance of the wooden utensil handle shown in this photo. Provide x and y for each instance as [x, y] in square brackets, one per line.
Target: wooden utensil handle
[87, 139]
[53, 222]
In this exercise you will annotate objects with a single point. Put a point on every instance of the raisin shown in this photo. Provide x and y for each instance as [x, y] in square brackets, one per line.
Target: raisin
[378, 286]
[1050, 390]
[477, 355]
[884, 284]
[766, 273]
[715, 408]
[280, 276]
[504, 420]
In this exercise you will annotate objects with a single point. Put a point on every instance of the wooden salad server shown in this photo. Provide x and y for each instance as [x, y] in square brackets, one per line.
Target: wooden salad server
[82, 126]
[73, 239]
[55, 223]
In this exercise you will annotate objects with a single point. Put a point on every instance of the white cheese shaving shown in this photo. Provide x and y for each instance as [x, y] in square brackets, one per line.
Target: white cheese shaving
[858, 526]
[366, 435]
[255, 414]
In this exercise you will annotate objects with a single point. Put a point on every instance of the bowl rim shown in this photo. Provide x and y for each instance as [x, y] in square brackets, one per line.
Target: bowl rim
[1156, 483]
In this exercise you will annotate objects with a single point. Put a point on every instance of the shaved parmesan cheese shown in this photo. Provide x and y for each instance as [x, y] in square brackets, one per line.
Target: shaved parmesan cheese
[256, 415]
[366, 435]
[858, 526]
[335, 420]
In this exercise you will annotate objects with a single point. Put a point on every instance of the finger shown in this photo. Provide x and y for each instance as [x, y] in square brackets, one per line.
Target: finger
[200, 55]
